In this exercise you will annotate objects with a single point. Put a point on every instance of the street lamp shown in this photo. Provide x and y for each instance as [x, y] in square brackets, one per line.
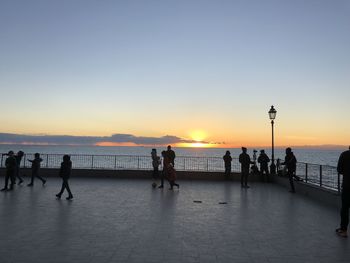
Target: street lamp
[272, 115]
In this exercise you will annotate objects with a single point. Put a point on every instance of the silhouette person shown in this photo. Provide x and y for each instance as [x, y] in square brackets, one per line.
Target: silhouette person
[263, 160]
[290, 163]
[244, 159]
[65, 172]
[171, 155]
[227, 161]
[344, 169]
[36, 163]
[166, 162]
[254, 167]
[155, 163]
[171, 174]
[11, 165]
[19, 157]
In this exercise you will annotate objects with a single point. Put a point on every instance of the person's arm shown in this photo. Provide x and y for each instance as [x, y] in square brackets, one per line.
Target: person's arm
[340, 164]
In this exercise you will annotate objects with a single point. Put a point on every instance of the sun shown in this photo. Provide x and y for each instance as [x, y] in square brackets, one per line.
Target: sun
[198, 135]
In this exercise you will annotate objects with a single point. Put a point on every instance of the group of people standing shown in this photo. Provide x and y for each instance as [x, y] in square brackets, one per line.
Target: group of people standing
[246, 163]
[248, 166]
[13, 165]
[168, 171]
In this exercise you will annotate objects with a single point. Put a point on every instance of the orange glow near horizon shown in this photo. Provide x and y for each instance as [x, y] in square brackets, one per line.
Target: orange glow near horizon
[196, 145]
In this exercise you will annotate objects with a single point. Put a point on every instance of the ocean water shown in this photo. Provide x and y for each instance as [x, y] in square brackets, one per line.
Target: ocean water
[307, 155]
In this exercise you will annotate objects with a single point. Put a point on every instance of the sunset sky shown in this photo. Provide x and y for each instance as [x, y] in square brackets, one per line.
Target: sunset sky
[159, 72]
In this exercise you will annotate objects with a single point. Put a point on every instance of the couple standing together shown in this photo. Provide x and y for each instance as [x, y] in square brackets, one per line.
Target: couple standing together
[168, 167]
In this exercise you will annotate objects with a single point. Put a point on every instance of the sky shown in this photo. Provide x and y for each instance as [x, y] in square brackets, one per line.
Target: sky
[147, 72]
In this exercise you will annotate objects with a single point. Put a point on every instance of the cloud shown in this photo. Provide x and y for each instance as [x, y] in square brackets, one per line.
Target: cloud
[90, 140]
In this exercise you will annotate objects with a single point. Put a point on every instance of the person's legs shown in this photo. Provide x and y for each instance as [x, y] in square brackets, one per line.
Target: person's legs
[227, 172]
[246, 179]
[242, 178]
[13, 179]
[155, 173]
[7, 177]
[171, 185]
[32, 179]
[344, 212]
[40, 178]
[67, 187]
[18, 176]
[290, 176]
[162, 175]
[266, 172]
[62, 190]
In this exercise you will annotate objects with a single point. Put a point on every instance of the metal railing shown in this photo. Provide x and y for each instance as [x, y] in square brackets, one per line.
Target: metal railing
[127, 162]
[323, 176]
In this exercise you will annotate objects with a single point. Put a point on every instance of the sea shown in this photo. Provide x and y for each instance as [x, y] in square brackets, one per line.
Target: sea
[324, 156]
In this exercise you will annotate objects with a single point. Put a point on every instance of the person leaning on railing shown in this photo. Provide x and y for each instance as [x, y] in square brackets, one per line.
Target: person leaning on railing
[344, 169]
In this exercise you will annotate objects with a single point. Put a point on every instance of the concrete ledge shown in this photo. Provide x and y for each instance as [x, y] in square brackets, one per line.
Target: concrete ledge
[322, 195]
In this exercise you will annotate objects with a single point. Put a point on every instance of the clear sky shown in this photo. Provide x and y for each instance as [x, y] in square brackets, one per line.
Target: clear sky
[197, 70]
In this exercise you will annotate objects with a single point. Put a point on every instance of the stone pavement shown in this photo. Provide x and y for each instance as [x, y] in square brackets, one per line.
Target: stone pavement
[116, 220]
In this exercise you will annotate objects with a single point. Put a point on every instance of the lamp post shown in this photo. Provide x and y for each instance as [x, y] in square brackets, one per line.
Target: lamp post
[272, 115]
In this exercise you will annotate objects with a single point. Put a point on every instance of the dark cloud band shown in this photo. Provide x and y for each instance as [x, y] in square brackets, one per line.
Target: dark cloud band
[91, 140]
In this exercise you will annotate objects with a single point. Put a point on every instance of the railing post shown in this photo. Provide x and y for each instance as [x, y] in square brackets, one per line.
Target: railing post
[138, 162]
[92, 162]
[115, 162]
[320, 175]
[47, 161]
[207, 164]
[185, 164]
[338, 182]
[306, 172]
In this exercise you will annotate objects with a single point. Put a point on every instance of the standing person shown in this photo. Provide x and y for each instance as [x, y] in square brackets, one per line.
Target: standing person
[171, 174]
[155, 163]
[244, 159]
[263, 160]
[290, 163]
[166, 162]
[19, 157]
[344, 169]
[227, 161]
[35, 169]
[65, 171]
[11, 165]
[171, 155]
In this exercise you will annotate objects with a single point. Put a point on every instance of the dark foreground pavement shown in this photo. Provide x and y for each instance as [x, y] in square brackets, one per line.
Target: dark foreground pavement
[113, 220]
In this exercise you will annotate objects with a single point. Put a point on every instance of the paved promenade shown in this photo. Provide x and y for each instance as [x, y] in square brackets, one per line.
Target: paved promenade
[113, 220]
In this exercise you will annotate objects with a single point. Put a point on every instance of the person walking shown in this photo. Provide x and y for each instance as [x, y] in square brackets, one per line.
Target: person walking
[36, 163]
[11, 165]
[65, 172]
[290, 163]
[244, 159]
[227, 161]
[166, 162]
[171, 155]
[19, 157]
[263, 160]
[155, 164]
[171, 174]
[343, 168]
